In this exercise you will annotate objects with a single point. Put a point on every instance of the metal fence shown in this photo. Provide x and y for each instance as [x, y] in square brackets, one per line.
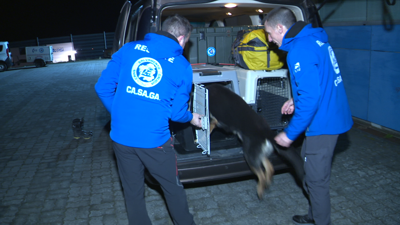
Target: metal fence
[87, 46]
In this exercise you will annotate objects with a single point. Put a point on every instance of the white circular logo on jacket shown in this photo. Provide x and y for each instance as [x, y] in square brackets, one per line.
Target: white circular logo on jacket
[147, 72]
[333, 60]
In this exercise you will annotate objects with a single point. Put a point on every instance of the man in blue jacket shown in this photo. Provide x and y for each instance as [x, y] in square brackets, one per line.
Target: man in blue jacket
[146, 84]
[319, 105]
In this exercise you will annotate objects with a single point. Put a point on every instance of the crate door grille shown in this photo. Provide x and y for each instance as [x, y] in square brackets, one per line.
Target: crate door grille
[272, 93]
[200, 106]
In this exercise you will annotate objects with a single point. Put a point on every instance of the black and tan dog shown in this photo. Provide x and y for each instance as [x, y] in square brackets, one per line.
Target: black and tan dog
[230, 112]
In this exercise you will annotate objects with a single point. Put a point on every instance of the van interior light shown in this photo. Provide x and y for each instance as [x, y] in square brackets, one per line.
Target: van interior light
[229, 14]
[259, 10]
[230, 5]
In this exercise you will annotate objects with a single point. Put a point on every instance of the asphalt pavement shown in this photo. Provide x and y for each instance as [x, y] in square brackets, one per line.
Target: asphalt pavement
[48, 177]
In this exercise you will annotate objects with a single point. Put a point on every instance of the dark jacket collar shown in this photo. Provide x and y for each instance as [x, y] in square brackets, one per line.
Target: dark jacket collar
[166, 34]
[295, 29]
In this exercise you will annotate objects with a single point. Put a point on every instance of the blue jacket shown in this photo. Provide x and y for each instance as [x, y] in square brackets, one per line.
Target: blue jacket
[146, 84]
[321, 106]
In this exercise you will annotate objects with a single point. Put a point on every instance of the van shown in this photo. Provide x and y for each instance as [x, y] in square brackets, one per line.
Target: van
[5, 56]
[203, 157]
[39, 55]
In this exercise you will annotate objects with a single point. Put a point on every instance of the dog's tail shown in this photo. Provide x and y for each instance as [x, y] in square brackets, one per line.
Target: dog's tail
[293, 157]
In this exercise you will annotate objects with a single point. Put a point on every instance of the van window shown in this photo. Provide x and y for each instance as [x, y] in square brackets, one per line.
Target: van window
[132, 24]
[144, 24]
[126, 26]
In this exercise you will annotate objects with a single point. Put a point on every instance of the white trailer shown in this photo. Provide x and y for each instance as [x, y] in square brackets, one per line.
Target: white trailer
[39, 55]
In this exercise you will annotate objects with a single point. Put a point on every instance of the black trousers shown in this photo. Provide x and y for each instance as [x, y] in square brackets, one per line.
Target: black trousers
[161, 163]
[317, 153]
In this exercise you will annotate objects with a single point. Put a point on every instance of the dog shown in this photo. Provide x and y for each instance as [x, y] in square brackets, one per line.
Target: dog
[231, 113]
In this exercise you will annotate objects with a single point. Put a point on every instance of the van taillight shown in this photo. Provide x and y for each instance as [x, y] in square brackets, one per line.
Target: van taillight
[7, 53]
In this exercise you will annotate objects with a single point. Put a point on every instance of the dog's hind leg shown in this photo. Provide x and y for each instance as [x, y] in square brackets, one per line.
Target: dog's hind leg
[264, 176]
[269, 170]
[213, 123]
[262, 182]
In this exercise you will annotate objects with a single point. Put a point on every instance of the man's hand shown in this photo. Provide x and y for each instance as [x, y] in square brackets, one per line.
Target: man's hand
[196, 121]
[288, 107]
[283, 140]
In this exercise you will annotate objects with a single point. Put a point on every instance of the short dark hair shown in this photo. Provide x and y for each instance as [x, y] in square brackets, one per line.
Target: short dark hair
[177, 26]
[280, 15]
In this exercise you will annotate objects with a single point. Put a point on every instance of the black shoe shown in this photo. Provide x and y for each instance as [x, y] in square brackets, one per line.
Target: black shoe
[297, 219]
[77, 128]
[86, 134]
[77, 125]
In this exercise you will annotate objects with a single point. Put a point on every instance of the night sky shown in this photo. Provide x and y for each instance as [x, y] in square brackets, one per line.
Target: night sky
[26, 20]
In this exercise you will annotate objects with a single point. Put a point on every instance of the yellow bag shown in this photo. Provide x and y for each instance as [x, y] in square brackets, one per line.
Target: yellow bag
[251, 51]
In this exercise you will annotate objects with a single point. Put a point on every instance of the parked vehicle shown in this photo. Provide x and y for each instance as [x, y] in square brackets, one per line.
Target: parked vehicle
[39, 55]
[5, 56]
[202, 157]
[63, 52]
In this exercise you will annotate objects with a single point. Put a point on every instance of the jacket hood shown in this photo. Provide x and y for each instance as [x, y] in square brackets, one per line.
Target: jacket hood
[170, 46]
[300, 30]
